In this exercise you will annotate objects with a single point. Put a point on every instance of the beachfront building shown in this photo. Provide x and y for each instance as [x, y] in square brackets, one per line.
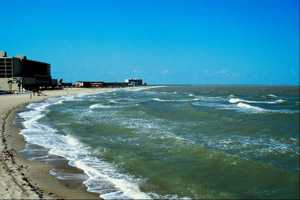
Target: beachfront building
[115, 84]
[134, 82]
[100, 84]
[19, 72]
[97, 84]
[89, 84]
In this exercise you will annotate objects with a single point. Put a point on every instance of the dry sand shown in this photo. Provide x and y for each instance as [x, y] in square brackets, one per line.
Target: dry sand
[24, 179]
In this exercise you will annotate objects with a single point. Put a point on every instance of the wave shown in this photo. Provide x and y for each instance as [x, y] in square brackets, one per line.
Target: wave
[248, 146]
[99, 105]
[140, 88]
[256, 109]
[272, 95]
[175, 100]
[113, 101]
[250, 108]
[103, 177]
[238, 100]
[244, 107]
[280, 101]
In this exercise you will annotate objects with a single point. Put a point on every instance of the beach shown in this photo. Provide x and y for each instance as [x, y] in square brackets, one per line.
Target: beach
[24, 179]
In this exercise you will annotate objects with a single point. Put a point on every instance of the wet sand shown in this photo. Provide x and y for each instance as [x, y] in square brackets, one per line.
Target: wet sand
[30, 179]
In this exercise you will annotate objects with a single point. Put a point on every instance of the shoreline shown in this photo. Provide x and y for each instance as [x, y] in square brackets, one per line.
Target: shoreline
[22, 178]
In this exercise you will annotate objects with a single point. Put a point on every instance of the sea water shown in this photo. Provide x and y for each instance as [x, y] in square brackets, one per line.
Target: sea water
[176, 141]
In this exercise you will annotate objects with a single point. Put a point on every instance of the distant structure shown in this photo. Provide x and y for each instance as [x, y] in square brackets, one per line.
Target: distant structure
[134, 82]
[97, 84]
[115, 84]
[89, 84]
[19, 72]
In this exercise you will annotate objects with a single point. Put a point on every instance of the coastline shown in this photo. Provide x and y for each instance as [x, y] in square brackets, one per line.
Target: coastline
[22, 178]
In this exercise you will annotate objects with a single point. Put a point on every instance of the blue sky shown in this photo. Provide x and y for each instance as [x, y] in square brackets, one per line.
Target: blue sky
[161, 41]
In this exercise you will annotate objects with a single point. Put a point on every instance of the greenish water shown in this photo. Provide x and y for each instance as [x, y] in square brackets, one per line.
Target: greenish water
[177, 141]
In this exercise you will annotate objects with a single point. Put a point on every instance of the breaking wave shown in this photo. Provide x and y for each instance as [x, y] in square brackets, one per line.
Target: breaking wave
[238, 100]
[113, 101]
[98, 105]
[240, 105]
[103, 177]
[272, 95]
[175, 100]
[132, 141]
[250, 108]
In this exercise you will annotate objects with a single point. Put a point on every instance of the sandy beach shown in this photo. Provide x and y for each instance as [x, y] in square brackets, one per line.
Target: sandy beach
[24, 179]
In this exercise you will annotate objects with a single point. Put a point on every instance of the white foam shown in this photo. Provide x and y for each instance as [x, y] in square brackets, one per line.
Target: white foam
[272, 95]
[99, 105]
[242, 106]
[113, 101]
[234, 100]
[103, 178]
[125, 188]
[158, 99]
[238, 100]
[250, 108]
[140, 88]
[175, 100]
[280, 101]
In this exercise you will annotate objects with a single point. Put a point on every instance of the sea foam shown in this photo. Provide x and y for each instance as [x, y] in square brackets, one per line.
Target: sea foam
[238, 100]
[103, 177]
[98, 105]
[175, 100]
[250, 108]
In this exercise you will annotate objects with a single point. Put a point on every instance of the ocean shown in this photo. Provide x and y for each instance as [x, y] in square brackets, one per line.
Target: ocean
[174, 141]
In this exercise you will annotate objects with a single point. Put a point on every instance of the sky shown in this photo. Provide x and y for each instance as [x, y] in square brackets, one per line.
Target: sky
[161, 41]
